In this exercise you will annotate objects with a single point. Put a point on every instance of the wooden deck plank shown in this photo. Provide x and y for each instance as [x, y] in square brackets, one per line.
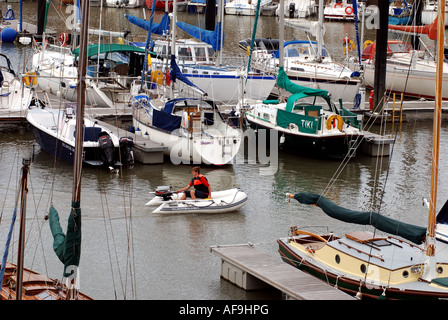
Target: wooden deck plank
[292, 281]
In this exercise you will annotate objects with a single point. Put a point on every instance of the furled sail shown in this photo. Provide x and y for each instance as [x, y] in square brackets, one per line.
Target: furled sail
[410, 232]
[176, 74]
[161, 28]
[213, 38]
[67, 246]
[297, 91]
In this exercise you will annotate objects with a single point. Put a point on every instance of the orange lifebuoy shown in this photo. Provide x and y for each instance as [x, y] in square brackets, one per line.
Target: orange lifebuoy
[338, 5]
[349, 10]
[63, 39]
[332, 118]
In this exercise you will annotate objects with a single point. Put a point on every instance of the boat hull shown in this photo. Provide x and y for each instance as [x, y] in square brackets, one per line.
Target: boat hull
[330, 147]
[345, 89]
[221, 202]
[346, 284]
[210, 147]
[409, 82]
[227, 86]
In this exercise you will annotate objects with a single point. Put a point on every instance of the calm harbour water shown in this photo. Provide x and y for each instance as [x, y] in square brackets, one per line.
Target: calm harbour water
[130, 253]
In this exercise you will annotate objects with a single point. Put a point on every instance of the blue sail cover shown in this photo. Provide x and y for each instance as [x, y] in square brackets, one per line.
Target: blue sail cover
[213, 38]
[157, 28]
[176, 74]
[165, 121]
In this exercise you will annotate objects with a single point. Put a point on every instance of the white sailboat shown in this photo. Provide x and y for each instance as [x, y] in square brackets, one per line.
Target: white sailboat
[244, 7]
[15, 93]
[201, 62]
[297, 8]
[307, 63]
[371, 265]
[408, 71]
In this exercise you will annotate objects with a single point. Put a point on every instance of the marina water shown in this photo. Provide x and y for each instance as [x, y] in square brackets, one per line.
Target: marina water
[130, 253]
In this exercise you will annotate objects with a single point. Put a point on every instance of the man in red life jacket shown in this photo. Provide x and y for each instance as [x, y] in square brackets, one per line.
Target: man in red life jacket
[202, 188]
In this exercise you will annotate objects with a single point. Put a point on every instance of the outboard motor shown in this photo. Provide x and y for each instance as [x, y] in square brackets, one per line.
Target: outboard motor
[127, 155]
[292, 9]
[107, 149]
[164, 192]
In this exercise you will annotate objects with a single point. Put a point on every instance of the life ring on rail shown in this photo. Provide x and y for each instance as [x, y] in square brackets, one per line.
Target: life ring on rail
[64, 39]
[30, 78]
[349, 10]
[338, 5]
[348, 45]
[335, 117]
[366, 43]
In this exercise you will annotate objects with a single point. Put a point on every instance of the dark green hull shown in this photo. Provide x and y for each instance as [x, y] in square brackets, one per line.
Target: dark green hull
[317, 147]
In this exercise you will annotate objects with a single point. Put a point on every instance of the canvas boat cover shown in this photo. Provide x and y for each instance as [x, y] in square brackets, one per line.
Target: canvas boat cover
[410, 232]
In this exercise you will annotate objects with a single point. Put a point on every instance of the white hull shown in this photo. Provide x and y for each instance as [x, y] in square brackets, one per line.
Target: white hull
[58, 76]
[124, 3]
[194, 141]
[302, 8]
[339, 89]
[227, 86]
[244, 7]
[221, 202]
[14, 95]
[338, 11]
[429, 13]
[302, 69]
[415, 82]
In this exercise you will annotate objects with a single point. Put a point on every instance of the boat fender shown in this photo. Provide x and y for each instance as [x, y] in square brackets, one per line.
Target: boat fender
[185, 120]
[371, 99]
[30, 78]
[349, 10]
[332, 118]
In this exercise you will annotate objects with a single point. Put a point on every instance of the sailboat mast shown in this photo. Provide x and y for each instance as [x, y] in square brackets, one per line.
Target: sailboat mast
[21, 253]
[437, 123]
[81, 91]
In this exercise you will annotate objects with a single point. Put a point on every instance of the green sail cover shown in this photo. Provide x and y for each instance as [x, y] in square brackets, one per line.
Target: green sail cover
[297, 91]
[410, 232]
[67, 247]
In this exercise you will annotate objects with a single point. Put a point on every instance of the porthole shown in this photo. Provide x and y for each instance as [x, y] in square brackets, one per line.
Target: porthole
[363, 268]
[405, 274]
[337, 258]
[439, 270]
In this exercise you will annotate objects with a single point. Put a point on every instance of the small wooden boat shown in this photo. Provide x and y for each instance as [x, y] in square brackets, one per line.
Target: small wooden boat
[35, 286]
[220, 202]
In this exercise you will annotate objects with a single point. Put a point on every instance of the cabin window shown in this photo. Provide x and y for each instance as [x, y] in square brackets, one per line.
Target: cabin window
[200, 54]
[184, 53]
[439, 270]
[337, 258]
[405, 274]
[266, 116]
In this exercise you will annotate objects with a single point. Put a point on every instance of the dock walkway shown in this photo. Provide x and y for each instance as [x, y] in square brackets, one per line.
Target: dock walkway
[251, 268]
